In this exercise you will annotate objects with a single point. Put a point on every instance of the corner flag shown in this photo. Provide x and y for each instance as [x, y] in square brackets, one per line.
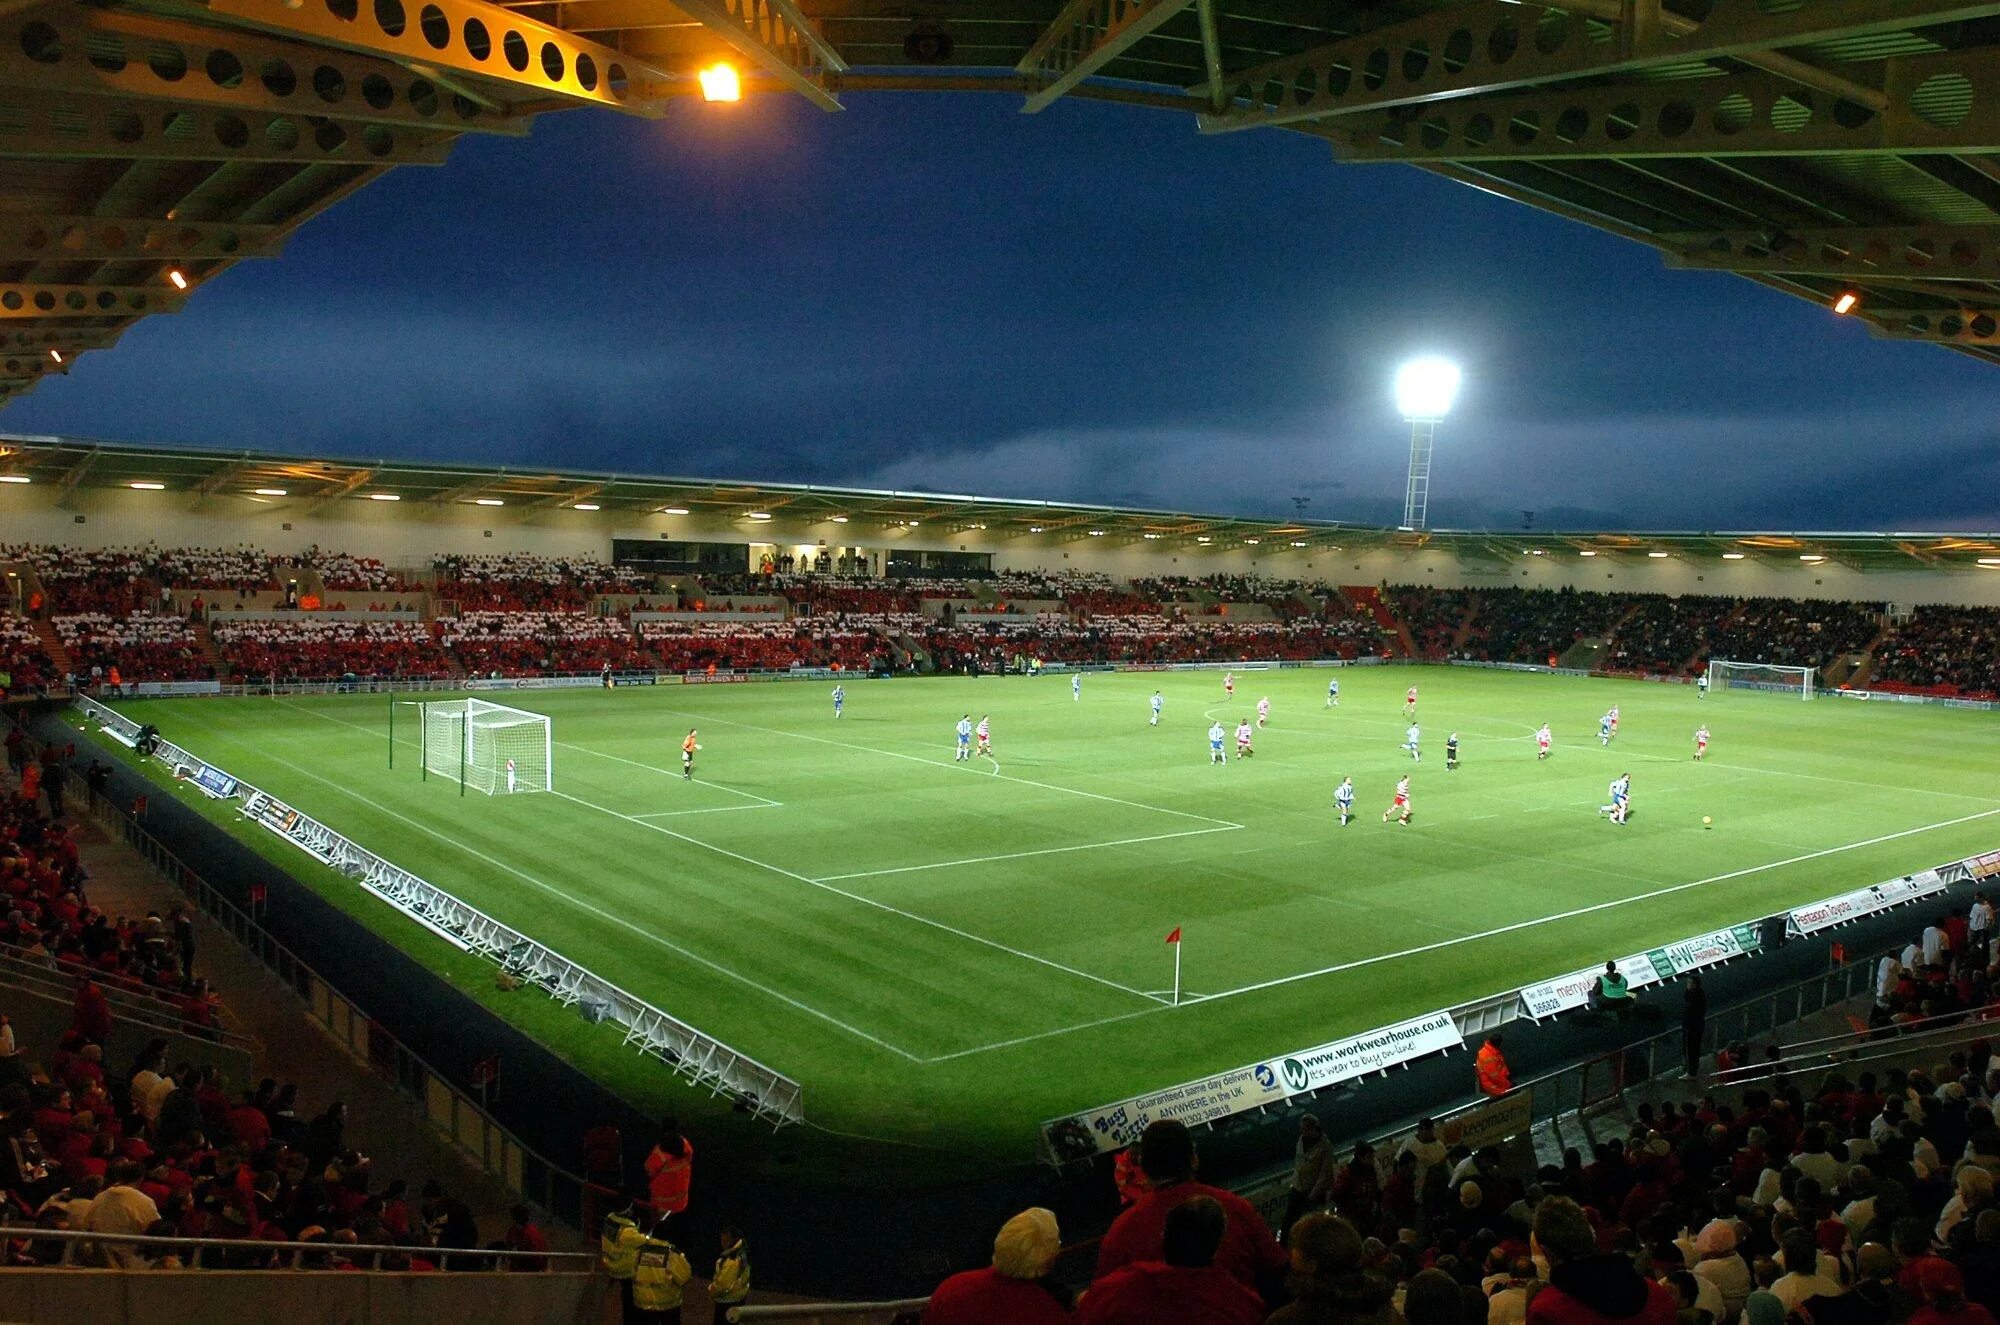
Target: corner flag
[1175, 937]
[1174, 940]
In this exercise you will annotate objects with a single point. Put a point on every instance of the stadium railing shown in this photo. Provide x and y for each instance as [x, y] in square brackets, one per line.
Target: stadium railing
[463, 1120]
[69, 1247]
[685, 1049]
[136, 1010]
[832, 1313]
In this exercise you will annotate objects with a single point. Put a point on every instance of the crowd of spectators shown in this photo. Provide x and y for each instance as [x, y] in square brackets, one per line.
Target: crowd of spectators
[525, 642]
[1432, 616]
[992, 642]
[1944, 651]
[24, 660]
[1667, 636]
[148, 646]
[517, 581]
[1535, 625]
[309, 648]
[820, 641]
[243, 569]
[1798, 632]
[344, 572]
[103, 580]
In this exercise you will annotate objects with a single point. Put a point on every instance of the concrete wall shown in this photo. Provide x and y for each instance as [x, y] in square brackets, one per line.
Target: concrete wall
[411, 533]
[228, 1297]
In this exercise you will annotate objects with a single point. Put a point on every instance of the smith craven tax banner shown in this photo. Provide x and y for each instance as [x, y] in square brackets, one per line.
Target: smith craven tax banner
[1116, 1126]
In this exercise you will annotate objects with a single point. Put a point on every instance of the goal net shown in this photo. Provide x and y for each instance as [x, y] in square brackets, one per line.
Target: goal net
[1774, 677]
[489, 747]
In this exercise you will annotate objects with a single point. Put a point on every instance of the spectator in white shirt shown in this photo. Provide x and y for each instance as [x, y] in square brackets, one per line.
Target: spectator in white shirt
[121, 1208]
[1816, 1161]
[1720, 1265]
[1979, 924]
[1803, 1279]
[1935, 945]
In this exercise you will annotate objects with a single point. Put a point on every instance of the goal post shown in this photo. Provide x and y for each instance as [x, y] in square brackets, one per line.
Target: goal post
[1778, 678]
[486, 747]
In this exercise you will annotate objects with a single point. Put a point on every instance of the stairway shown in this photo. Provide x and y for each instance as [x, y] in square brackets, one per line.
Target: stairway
[1366, 598]
[53, 643]
[218, 667]
[1465, 626]
[1864, 671]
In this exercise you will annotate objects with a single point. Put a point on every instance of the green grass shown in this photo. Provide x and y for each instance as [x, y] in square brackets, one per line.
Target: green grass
[945, 954]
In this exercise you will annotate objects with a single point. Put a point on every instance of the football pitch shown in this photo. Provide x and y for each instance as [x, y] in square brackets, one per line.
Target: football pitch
[945, 953]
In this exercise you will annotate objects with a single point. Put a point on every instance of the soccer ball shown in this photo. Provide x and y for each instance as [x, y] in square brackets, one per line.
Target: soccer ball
[1707, 822]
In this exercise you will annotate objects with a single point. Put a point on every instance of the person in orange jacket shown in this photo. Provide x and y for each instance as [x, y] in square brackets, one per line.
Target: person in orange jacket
[1494, 1078]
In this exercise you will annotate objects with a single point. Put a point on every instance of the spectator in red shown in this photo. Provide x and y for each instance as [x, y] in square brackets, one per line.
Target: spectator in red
[93, 1011]
[1014, 1289]
[1183, 1287]
[522, 1235]
[248, 1126]
[1248, 1253]
[1944, 1299]
[670, 1169]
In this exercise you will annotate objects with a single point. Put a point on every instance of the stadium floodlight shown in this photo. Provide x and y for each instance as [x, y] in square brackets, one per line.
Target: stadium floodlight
[840, 519]
[269, 492]
[56, 355]
[179, 280]
[1732, 556]
[673, 510]
[1990, 561]
[1425, 389]
[385, 496]
[1845, 304]
[15, 478]
[489, 501]
[144, 486]
[586, 506]
[721, 82]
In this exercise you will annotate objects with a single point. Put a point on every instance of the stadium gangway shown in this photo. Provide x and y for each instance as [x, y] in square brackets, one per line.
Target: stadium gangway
[152, 1014]
[1866, 1045]
[765, 1092]
[74, 1248]
[830, 1313]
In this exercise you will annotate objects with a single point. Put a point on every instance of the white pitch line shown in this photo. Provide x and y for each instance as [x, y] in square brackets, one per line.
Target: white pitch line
[857, 897]
[1019, 855]
[949, 763]
[600, 913]
[668, 772]
[712, 809]
[1602, 906]
[1160, 1005]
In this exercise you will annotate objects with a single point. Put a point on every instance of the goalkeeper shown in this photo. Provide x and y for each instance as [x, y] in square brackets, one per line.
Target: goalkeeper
[688, 747]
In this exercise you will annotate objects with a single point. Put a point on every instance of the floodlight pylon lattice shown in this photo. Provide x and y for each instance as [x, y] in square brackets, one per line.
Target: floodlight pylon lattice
[1417, 492]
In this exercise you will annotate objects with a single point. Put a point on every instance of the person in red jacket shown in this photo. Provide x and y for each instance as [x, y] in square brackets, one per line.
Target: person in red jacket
[1184, 1287]
[1248, 1254]
[670, 1169]
[1585, 1287]
[1494, 1078]
[1013, 1290]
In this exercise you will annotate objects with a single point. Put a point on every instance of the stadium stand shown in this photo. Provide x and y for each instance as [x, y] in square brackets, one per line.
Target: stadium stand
[522, 643]
[26, 661]
[306, 648]
[138, 646]
[1946, 651]
[520, 581]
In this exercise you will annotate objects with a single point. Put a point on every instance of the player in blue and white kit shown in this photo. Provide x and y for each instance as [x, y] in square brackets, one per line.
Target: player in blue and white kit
[1333, 692]
[964, 739]
[1343, 800]
[839, 698]
[1215, 735]
[1410, 743]
[1604, 730]
[1076, 686]
[1157, 704]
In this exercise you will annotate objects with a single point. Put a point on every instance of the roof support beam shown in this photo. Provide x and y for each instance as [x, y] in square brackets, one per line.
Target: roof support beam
[340, 489]
[41, 124]
[1211, 53]
[1085, 36]
[1490, 46]
[51, 301]
[62, 238]
[1963, 326]
[1926, 252]
[73, 49]
[1947, 102]
[778, 38]
[69, 341]
[465, 37]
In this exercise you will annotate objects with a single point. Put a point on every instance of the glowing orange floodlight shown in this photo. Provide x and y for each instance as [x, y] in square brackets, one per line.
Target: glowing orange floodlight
[1845, 304]
[721, 82]
[180, 282]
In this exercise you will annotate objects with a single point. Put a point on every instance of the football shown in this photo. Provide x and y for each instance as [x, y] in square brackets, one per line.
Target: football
[1706, 821]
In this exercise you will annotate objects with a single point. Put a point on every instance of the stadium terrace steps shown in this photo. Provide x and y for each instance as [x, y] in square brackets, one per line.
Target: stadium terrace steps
[1465, 626]
[213, 655]
[1367, 598]
[46, 632]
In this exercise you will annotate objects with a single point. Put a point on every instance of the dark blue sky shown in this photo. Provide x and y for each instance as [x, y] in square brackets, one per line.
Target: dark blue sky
[1095, 303]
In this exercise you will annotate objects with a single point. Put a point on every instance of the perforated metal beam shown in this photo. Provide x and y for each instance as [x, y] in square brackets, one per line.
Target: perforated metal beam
[26, 368]
[62, 238]
[38, 301]
[70, 341]
[44, 124]
[1085, 36]
[776, 37]
[1928, 252]
[1490, 46]
[468, 37]
[1963, 326]
[1948, 103]
[73, 49]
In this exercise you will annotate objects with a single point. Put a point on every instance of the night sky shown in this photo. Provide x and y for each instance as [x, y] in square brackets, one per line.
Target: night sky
[1093, 304]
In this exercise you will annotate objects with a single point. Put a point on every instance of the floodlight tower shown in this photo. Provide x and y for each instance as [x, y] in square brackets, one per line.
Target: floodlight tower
[1424, 391]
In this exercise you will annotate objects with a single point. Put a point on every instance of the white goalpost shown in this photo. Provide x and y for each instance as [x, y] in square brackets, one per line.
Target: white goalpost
[1779, 678]
[486, 747]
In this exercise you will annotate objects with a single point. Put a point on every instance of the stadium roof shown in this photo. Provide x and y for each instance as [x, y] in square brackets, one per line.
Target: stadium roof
[1819, 148]
[205, 476]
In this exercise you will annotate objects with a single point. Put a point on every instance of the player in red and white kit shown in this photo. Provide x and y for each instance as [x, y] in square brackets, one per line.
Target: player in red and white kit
[1263, 711]
[1542, 742]
[1243, 734]
[1614, 721]
[1400, 810]
[1700, 741]
[1410, 702]
[984, 733]
[1229, 684]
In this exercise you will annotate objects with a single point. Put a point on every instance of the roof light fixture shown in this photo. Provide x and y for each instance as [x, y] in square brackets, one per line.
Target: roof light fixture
[385, 496]
[759, 515]
[1657, 556]
[14, 478]
[673, 510]
[1732, 556]
[176, 278]
[1847, 302]
[148, 486]
[270, 492]
[1587, 552]
[721, 82]
[488, 501]
[586, 506]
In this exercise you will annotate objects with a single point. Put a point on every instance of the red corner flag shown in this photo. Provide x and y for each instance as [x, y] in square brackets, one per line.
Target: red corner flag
[1174, 942]
[1175, 937]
